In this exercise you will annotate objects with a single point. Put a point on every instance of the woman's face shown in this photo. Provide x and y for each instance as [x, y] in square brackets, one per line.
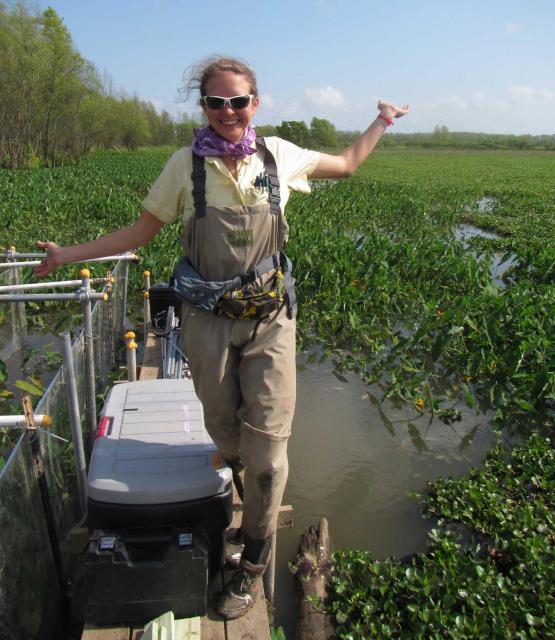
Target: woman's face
[229, 123]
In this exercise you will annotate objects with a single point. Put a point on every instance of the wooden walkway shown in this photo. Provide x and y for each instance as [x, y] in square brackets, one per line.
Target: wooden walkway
[255, 624]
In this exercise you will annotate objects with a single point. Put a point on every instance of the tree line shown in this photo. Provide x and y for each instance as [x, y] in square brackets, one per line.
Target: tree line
[55, 106]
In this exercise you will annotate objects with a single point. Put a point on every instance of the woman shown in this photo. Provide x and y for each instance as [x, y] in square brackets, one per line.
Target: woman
[231, 189]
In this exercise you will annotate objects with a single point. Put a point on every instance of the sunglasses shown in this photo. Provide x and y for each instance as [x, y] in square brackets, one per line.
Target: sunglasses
[235, 102]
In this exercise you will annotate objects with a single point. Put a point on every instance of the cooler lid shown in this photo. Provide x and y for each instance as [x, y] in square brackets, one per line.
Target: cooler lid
[154, 448]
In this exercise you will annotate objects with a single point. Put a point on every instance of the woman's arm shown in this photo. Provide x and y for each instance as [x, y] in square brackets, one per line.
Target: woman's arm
[345, 164]
[132, 237]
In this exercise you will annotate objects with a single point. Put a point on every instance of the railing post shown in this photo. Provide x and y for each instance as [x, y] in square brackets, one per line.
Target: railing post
[20, 306]
[75, 419]
[131, 356]
[124, 277]
[146, 302]
[89, 351]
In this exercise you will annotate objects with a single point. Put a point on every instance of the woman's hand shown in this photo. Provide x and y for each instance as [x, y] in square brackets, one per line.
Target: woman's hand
[391, 111]
[137, 235]
[51, 261]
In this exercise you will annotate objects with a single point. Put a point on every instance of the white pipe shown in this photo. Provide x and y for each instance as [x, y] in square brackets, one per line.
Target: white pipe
[16, 254]
[80, 296]
[126, 257]
[89, 350]
[41, 420]
[75, 419]
[49, 285]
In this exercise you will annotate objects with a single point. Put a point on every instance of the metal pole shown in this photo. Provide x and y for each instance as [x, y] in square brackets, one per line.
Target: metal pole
[89, 352]
[131, 356]
[49, 285]
[79, 296]
[20, 305]
[75, 418]
[146, 302]
[126, 257]
[124, 278]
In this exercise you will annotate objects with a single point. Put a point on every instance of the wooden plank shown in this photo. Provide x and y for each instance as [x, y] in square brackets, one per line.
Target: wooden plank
[151, 368]
[105, 633]
[212, 626]
[254, 625]
[284, 518]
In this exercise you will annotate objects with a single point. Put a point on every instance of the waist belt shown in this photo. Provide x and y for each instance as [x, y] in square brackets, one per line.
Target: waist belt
[210, 295]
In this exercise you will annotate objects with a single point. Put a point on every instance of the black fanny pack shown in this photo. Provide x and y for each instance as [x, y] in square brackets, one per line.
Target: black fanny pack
[241, 297]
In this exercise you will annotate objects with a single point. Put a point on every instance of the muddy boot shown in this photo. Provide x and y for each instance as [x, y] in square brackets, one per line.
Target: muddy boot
[238, 597]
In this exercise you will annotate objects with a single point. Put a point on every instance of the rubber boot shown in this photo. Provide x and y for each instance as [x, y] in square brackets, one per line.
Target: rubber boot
[238, 596]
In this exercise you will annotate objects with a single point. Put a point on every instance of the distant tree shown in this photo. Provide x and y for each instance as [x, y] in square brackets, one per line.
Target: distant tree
[295, 131]
[322, 133]
[184, 129]
[266, 130]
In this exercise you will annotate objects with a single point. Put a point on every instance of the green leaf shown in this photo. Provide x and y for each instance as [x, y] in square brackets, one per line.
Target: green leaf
[29, 388]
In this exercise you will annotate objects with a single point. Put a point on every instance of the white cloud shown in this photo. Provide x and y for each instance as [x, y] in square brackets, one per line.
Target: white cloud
[325, 97]
[529, 95]
[513, 27]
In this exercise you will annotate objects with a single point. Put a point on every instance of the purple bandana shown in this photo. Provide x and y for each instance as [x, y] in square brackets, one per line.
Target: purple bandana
[209, 143]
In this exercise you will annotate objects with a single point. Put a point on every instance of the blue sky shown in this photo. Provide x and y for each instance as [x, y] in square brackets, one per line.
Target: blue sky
[473, 66]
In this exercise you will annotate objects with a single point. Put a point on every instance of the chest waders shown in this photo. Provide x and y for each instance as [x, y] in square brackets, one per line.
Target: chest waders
[249, 294]
[242, 365]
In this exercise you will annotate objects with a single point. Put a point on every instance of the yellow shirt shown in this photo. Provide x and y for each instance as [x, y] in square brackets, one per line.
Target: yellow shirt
[171, 195]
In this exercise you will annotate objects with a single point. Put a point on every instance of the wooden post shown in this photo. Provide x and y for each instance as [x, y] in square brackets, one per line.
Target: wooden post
[310, 577]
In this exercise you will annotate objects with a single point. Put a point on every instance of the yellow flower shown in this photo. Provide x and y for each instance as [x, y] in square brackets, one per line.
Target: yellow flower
[439, 313]
[420, 403]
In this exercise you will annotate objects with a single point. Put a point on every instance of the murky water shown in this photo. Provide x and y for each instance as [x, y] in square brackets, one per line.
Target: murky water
[355, 463]
[499, 263]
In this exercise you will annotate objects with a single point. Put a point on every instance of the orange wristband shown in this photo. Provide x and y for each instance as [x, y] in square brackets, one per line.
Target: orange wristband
[386, 119]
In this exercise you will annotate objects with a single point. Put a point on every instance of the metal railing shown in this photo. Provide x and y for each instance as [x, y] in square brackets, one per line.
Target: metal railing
[28, 562]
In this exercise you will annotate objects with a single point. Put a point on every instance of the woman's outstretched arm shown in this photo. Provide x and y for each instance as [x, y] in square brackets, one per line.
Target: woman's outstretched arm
[125, 239]
[345, 164]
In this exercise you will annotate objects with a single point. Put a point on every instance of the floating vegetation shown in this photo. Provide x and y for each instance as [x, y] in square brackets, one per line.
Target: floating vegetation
[488, 571]
[389, 288]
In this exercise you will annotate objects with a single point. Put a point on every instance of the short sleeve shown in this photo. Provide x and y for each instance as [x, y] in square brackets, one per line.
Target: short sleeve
[170, 195]
[295, 164]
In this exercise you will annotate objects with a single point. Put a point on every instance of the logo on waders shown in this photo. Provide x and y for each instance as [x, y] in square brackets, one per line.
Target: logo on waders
[240, 238]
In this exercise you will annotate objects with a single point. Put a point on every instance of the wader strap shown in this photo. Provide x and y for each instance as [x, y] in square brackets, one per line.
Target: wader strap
[198, 177]
[287, 267]
[272, 173]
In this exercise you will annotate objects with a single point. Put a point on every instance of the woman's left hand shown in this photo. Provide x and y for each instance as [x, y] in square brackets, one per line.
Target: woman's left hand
[391, 111]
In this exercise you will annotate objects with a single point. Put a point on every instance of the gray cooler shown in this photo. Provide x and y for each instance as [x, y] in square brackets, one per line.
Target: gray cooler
[159, 502]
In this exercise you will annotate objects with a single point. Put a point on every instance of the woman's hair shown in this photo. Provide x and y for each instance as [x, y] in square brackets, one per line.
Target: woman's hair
[197, 75]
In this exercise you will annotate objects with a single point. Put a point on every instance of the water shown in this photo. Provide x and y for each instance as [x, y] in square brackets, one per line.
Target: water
[355, 463]
[500, 263]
